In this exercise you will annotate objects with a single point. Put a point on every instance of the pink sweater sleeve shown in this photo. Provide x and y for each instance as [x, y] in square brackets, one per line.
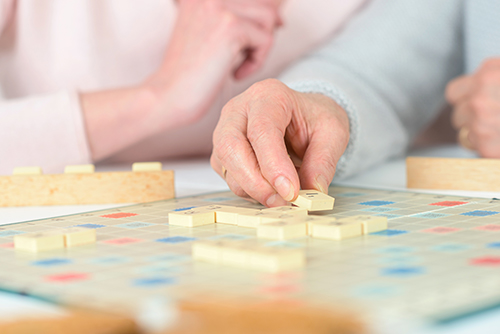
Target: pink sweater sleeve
[44, 130]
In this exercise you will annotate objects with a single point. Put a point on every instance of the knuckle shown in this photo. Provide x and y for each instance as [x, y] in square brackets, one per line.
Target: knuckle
[479, 106]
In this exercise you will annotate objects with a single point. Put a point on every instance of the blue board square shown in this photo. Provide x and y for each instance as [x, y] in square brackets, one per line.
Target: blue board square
[154, 281]
[218, 199]
[402, 271]
[230, 237]
[185, 209]
[51, 262]
[10, 233]
[175, 240]
[134, 225]
[91, 225]
[493, 245]
[430, 215]
[379, 209]
[389, 233]
[349, 195]
[389, 215]
[479, 213]
[377, 203]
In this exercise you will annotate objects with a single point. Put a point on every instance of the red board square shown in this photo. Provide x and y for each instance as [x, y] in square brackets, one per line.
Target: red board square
[490, 227]
[449, 203]
[488, 261]
[441, 230]
[120, 215]
[7, 245]
[67, 277]
[122, 241]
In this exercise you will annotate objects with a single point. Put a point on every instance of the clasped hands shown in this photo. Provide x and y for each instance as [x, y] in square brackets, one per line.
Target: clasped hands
[476, 108]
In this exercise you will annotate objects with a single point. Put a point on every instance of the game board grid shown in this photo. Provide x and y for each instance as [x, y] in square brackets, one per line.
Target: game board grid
[321, 249]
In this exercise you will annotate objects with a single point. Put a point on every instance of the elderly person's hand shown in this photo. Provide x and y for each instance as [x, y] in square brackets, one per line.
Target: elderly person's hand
[260, 128]
[476, 108]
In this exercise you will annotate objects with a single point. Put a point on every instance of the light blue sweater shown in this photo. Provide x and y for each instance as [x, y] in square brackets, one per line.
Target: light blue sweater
[390, 67]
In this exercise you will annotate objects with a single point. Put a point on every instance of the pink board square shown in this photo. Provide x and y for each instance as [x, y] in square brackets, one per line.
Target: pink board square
[7, 245]
[449, 203]
[490, 227]
[122, 241]
[67, 277]
[488, 261]
[441, 230]
[120, 215]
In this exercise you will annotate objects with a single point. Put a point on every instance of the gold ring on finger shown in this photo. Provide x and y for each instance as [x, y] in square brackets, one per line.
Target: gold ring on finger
[224, 172]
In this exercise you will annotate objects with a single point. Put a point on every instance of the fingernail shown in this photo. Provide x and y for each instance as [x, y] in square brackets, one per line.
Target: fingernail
[270, 201]
[284, 188]
[275, 200]
[322, 184]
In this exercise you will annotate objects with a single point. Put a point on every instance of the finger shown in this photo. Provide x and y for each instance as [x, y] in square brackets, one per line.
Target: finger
[459, 89]
[328, 141]
[232, 184]
[461, 115]
[266, 131]
[256, 46]
[237, 155]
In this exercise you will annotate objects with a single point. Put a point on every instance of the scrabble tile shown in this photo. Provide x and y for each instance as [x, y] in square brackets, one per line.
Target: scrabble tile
[336, 230]
[269, 217]
[27, 171]
[146, 166]
[276, 259]
[248, 255]
[250, 218]
[282, 230]
[207, 251]
[79, 169]
[76, 236]
[38, 242]
[370, 224]
[314, 200]
[289, 210]
[309, 220]
[191, 218]
[225, 214]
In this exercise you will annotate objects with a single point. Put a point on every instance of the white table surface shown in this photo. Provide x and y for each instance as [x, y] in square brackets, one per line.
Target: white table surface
[194, 177]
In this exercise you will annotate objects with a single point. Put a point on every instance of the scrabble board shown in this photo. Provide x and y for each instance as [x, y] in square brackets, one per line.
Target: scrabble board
[438, 261]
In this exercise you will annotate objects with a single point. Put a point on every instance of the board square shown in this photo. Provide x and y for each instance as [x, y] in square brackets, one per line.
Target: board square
[449, 203]
[122, 241]
[490, 227]
[175, 240]
[441, 230]
[377, 203]
[51, 262]
[91, 225]
[487, 261]
[493, 245]
[390, 232]
[134, 225]
[402, 271]
[479, 213]
[430, 215]
[7, 245]
[185, 208]
[154, 281]
[119, 215]
[67, 277]
[9, 233]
